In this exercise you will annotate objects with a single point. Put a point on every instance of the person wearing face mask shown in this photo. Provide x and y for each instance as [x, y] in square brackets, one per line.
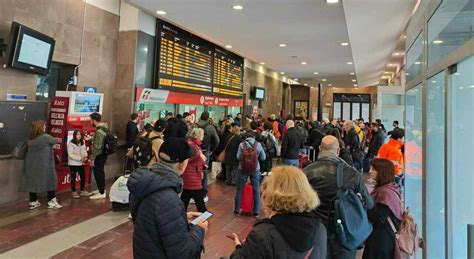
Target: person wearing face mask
[39, 166]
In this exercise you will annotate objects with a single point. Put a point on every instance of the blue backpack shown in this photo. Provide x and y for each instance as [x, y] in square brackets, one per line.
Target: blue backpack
[352, 223]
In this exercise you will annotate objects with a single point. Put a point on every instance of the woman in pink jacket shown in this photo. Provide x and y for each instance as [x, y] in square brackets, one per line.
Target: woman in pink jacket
[192, 177]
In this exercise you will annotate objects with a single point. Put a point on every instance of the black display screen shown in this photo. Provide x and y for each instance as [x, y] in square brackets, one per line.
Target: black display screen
[187, 63]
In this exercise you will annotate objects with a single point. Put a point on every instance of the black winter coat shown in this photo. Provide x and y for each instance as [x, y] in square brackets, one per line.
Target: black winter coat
[131, 134]
[176, 129]
[351, 139]
[322, 177]
[285, 236]
[376, 142]
[161, 228]
[291, 144]
[231, 150]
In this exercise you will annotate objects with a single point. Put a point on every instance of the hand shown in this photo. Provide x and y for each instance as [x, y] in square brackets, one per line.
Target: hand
[192, 215]
[203, 157]
[236, 240]
[203, 224]
[91, 162]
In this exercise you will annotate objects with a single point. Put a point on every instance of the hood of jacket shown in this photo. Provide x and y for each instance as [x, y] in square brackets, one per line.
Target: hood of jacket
[103, 126]
[298, 229]
[144, 181]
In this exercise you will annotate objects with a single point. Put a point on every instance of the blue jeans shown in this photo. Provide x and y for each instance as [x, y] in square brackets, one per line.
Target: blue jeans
[241, 180]
[293, 162]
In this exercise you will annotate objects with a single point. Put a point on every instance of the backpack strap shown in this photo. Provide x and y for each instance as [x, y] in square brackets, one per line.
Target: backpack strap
[340, 176]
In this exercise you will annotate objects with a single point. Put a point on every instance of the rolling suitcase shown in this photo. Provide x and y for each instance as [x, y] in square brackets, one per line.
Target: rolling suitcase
[247, 199]
[304, 161]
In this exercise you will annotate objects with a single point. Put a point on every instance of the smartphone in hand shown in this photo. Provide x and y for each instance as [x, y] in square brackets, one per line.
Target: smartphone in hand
[203, 217]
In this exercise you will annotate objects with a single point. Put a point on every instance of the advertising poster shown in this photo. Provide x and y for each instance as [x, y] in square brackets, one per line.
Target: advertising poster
[57, 124]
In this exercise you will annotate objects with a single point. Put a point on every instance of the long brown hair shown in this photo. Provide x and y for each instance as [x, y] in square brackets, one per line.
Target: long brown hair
[37, 129]
[385, 171]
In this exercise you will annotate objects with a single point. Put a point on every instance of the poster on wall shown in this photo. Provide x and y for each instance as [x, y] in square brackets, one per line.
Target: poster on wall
[57, 124]
[301, 109]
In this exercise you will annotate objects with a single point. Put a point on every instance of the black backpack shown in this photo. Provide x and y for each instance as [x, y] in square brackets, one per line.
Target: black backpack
[206, 141]
[268, 146]
[110, 142]
[143, 151]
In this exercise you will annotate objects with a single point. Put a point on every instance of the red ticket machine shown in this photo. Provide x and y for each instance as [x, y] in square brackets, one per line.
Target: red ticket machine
[69, 112]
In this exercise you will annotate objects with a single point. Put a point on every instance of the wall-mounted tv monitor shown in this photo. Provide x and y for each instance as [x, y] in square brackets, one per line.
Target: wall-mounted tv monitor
[258, 93]
[81, 103]
[30, 50]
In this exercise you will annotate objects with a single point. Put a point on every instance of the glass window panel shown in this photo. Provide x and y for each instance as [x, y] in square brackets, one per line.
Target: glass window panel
[366, 111]
[346, 111]
[217, 113]
[414, 59]
[189, 108]
[355, 111]
[449, 28]
[413, 155]
[233, 111]
[337, 110]
[461, 154]
[435, 164]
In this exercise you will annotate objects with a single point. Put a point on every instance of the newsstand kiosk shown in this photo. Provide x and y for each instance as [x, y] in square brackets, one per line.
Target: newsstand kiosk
[70, 111]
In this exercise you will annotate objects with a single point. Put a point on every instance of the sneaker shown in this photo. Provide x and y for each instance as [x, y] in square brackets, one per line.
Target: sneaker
[98, 196]
[192, 201]
[75, 195]
[34, 205]
[96, 192]
[85, 193]
[255, 215]
[129, 215]
[53, 204]
[206, 199]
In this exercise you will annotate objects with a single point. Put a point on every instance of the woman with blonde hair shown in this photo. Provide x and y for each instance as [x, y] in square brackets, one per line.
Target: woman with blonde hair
[193, 174]
[40, 168]
[292, 230]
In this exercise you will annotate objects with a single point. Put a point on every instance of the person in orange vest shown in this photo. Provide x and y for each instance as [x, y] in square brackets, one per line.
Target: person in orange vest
[274, 121]
[392, 150]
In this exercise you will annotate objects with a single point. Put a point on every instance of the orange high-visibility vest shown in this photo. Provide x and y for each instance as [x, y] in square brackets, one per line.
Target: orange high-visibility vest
[392, 151]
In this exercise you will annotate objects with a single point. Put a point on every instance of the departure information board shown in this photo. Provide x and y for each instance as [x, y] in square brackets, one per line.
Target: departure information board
[187, 63]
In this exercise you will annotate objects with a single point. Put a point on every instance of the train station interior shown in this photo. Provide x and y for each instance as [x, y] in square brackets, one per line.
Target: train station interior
[102, 80]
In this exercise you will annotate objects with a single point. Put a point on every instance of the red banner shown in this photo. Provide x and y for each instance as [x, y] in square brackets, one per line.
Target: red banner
[57, 124]
[184, 98]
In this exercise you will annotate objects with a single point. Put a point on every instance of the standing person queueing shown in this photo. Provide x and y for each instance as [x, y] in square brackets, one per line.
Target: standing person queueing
[291, 144]
[387, 212]
[230, 161]
[161, 224]
[99, 157]
[376, 141]
[352, 141]
[132, 130]
[174, 128]
[392, 150]
[322, 177]
[192, 176]
[249, 154]
[156, 136]
[39, 166]
[209, 144]
[77, 157]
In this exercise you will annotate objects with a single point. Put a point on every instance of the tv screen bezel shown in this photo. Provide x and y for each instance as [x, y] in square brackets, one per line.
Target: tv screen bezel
[255, 88]
[17, 32]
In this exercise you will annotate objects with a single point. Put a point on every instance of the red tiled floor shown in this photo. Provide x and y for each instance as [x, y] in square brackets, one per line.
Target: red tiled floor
[117, 243]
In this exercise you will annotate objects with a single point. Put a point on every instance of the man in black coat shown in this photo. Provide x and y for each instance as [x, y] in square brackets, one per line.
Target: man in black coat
[291, 144]
[377, 140]
[322, 177]
[131, 132]
[162, 227]
[175, 128]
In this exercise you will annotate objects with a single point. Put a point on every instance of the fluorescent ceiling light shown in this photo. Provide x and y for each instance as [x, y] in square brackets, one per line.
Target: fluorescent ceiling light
[296, 79]
[316, 73]
[329, 84]
[282, 45]
[303, 63]
[352, 73]
[161, 12]
[355, 85]
[417, 63]
[228, 46]
[457, 74]
[262, 63]
[305, 84]
[344, 43]
[282, 73]
[437, 41]
[353, 80]
[349, 63]
[332, 1]
[434, 82]
[237, 7]
[391, 65]
[324, 80]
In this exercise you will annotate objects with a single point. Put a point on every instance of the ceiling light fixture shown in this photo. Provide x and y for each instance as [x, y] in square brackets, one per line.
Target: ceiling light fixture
[349, 63]
[296, 79]
[161, 12]
[355, 85]
[391, 65]
[305, 84]
[262, 63]
[417, 63]
[353, 80]
[324, 80]
[332, 1]
[282, 73]
[304, 63]
[237, 7]
[344, 43]
[437, 41]
[316, 73]
[282, 45]
[228, 46]
[329, 84]
[352, 73]
[457, 74]
[434, 82]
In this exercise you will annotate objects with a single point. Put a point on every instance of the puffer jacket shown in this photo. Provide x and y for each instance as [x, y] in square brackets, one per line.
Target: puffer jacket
[161, 228]
[192, 177]
[76, 153]
[285, 236]
[322, 177]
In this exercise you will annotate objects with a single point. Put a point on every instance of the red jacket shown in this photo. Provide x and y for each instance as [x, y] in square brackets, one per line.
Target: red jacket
[192, 176]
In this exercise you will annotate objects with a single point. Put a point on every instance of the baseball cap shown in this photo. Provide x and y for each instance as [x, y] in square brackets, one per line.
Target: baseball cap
[177, 149]
[160, 125]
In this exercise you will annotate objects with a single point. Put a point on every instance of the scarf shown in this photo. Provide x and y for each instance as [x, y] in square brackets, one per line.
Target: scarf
[389, 195]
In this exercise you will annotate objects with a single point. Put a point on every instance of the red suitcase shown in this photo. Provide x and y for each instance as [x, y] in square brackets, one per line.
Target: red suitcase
[304, 161]
[247, 199]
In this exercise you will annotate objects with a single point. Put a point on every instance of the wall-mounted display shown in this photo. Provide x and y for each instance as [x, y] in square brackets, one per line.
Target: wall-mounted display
[187, 63]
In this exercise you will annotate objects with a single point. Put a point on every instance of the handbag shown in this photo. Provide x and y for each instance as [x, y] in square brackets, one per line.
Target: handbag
[221, 156]
[19, 151]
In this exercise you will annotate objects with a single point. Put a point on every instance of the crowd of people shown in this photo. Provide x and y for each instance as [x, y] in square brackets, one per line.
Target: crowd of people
[170, 158]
